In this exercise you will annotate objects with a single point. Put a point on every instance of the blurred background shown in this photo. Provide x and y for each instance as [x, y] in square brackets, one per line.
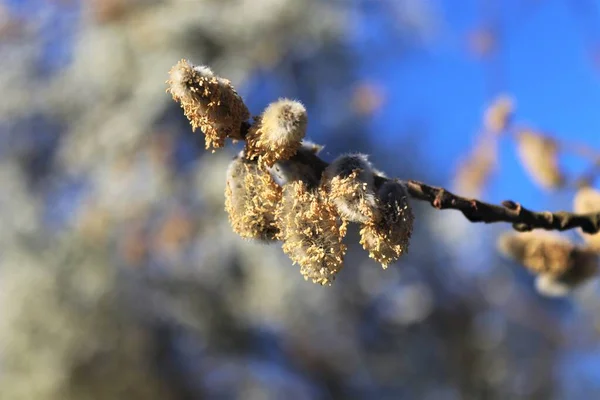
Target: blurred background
[120, 277]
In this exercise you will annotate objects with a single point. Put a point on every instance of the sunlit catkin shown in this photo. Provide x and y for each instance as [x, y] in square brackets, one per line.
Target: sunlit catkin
[349, 181]
[277, 134]
[208, 101]
[312, 232]
[251, 199]
[387, 236]
[559, 264]
[539, 157]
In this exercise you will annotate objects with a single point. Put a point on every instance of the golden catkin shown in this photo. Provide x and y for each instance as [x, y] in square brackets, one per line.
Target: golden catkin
[277, 134]
[350, 183]
[540, 252]
[208, 101]
[539, 156]
[312, 232]
[387, 236]
[559, 264]
[251, 200]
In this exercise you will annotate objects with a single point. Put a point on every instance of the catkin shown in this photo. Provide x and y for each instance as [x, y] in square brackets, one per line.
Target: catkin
[539, 156]
[208, 101]
[387, 236]
[277, 134]
[251, 200]
[312, 232]
[350, 182]
[559, 264]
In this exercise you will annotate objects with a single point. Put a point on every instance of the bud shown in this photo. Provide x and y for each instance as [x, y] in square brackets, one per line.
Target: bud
[539, 156]
[587, 200]
[251, 199]
[349, 180]
[208, 101]
[277, 134]
[312, 232]
[387, 237]
[560, 264]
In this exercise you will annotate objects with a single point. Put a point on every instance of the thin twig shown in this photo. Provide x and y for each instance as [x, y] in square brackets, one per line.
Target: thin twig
[521, 218]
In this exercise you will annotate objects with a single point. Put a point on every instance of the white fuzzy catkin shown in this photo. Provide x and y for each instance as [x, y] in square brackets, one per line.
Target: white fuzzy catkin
[277, 134]
[284, 121]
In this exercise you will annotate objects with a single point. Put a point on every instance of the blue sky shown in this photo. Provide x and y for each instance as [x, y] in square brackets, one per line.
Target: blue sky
[546, 56]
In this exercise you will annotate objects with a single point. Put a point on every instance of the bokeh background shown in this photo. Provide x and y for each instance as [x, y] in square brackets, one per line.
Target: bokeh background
[120, 277]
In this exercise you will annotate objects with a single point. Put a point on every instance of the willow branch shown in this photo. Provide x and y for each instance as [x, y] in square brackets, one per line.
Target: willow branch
[521, 218]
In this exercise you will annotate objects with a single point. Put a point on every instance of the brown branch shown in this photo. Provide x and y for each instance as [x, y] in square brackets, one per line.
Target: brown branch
[521, 218]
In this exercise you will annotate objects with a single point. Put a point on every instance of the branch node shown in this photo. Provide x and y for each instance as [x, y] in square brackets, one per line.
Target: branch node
[522, 227]
[438, 201]
[511, 205]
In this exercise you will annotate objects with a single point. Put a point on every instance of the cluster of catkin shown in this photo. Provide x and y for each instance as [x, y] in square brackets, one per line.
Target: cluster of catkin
[271, 195]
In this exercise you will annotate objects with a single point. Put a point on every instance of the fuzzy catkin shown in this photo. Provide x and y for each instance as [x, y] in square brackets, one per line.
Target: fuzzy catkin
[208, 101]
[350, 182]
[312, 232]
[387, 236]
[559, 264]
[539, 252]
[277, 134]
[251, 199]
[539, 156]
